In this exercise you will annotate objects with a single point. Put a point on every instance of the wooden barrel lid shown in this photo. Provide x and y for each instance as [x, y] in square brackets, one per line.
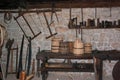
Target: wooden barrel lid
[116, 71]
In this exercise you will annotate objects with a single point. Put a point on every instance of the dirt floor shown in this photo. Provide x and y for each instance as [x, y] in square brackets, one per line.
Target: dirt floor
[62, 76]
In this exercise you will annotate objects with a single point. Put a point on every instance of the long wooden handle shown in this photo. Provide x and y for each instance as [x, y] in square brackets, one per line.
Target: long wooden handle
[20, 27]
[22, 75]
[33, 67]
[20, 66]
[28, 25]
[47, 23]
[29, 77]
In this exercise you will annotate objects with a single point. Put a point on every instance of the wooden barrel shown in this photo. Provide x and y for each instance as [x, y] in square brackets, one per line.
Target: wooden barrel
[78, 47]
[88, 48]
[56, 44]
[70, 44]
[64, 47]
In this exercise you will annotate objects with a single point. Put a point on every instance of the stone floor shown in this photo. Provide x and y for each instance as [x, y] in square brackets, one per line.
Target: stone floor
[63, 76]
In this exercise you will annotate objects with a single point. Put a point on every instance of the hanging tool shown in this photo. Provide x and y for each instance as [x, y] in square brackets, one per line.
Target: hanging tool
[34, 22]
[110, 12]
[20, 27]
[54, 12]
[80, 30]
[75, 25]
[51, 34]
[95, 12]
[28, 24]
[13, 50]
[2, 70]
[8, 46]
[10, 56]
[33, 67]
[24, 77]
[82, 14]
[20, 66]
[81, 23]
[39, 18]
[34, 35]
[16, 57]
[110, 9]
[29, 56]
[26, 59]
[95, 68]
[11, 67]
[70, 24]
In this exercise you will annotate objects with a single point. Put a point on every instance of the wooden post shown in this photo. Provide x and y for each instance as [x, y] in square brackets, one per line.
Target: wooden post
[99, 67]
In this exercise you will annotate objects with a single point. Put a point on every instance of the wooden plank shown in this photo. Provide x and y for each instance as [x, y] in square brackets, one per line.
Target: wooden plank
[29, 11]
[74, 67]
[62, 4]
[75, 4]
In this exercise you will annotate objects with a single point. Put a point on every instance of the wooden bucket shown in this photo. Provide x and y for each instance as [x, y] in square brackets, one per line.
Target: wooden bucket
[64, 47]
[78, 47]
[88, 48]
[70, 44]
[56, 44]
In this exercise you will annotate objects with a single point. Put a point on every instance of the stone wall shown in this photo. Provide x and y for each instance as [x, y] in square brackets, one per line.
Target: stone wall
[101, 39]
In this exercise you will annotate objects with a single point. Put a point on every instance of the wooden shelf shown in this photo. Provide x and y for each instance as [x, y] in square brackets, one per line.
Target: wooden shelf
[93, 27]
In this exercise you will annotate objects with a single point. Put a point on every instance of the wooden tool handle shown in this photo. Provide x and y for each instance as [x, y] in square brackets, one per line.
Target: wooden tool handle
[29, 77]
[22, 75]
[33, 67]
[51, 35]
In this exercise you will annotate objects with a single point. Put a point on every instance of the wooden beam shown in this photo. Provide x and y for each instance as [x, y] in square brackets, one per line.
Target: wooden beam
[62, 4]
[75, 4]
[29, 11]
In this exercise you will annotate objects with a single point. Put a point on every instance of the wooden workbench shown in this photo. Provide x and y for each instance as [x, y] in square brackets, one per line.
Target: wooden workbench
[96, 67]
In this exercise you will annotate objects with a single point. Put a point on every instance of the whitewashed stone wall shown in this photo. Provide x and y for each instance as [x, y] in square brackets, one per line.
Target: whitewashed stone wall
[101, 39]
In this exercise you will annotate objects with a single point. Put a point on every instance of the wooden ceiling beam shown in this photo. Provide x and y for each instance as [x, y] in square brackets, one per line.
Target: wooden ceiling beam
[75, 4]
[31, 4]
[29, 11]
